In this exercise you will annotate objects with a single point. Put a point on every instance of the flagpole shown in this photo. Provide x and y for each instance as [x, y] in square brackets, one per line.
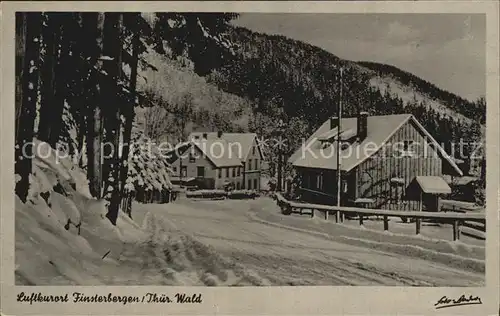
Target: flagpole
[339, 130]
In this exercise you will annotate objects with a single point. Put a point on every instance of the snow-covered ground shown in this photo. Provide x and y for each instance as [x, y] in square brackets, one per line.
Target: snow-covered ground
[288, 250]
[64, 238]
[88, 250]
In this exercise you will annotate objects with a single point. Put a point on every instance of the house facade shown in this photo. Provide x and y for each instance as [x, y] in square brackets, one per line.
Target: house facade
[387, 162]
[218, 159]
[246, 148]
[252, 166]
[206, 163]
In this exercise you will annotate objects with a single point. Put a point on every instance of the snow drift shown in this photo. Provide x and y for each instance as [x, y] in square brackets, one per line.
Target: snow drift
[62, 237]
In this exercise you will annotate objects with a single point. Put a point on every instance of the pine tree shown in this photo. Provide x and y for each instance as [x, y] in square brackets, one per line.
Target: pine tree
[93, 24]
[129, 113]
[55, 70]
[29, 78]
[111, 98]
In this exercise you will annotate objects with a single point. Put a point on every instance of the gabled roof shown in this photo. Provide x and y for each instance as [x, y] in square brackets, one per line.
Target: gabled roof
[220, 153]
[172, 155]
[379, 130]
[217, 151]
[245, 141]
[433, 185]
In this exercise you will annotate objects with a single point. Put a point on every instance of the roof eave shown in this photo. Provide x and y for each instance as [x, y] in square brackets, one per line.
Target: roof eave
[439, 148]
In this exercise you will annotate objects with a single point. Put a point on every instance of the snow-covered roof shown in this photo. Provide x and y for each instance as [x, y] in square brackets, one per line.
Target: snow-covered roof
[236, 140]
[379, 131]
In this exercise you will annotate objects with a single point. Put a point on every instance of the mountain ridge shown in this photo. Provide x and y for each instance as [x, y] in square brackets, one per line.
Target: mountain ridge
[273, 77]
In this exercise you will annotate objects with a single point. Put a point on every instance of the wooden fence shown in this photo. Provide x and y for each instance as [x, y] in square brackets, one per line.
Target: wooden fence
[456, 219]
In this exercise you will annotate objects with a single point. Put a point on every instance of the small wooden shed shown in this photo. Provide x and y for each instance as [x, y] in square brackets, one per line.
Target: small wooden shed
[428, 190]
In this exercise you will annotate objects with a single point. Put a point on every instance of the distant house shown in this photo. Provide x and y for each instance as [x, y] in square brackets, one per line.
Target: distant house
[218, 159]
[388, 162]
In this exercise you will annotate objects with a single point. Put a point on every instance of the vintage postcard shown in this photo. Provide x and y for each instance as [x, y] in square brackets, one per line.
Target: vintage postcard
[247, 158]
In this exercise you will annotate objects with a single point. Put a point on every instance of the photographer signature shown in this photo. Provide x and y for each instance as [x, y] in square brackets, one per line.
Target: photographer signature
[445, 302]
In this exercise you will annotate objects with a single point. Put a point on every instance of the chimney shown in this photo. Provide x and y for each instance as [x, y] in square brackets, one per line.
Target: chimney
[334, 122]
[362, 126]
[204, 135]
[219, 134]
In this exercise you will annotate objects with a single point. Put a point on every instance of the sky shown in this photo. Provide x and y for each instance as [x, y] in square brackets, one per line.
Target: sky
[447, 50]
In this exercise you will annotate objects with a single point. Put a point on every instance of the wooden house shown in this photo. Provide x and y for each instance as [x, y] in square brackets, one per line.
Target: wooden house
[388, 162]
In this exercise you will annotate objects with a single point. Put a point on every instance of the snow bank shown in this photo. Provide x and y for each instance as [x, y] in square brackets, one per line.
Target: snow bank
[453, 253]
[448, 259]
[64, 238]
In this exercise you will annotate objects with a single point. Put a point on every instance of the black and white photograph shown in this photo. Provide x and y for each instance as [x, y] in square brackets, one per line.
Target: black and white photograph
[251, 149]
[205, 149]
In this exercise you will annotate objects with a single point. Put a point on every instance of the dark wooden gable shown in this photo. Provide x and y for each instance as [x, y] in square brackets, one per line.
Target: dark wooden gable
[405, 155]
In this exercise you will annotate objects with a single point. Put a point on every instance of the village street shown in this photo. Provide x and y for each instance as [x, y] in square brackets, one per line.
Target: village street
[287, 256]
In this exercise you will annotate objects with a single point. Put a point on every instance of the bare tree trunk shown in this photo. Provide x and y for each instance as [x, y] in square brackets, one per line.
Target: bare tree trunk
[79, 97]
[51, 36]
[20, 52]
[27, 112]
[60, 93]
[113, 66]
[93, 24]
[129, 118]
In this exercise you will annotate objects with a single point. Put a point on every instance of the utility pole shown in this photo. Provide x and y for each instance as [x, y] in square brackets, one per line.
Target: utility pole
[339, 147]
[280, 143]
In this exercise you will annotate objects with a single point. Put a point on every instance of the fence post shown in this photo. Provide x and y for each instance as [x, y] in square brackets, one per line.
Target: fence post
[361, 219]
[456, 229]
[386, 223]
[337, 216]
[417, 225]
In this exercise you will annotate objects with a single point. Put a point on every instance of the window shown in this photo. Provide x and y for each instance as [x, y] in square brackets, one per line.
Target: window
[407, 144]
[192, 158]
[255, 184]
[201, 171]
[227, 172]
[234, 172]
[250, 164]
[249, 184]
[239, 171]
[196, 136]
[319, 182]
[184, 171]
[256, 164]
[237, 185]
[244, 164]
[253, 150]
[174, 169]
[219, 171]
[344, 186]
[407, 150]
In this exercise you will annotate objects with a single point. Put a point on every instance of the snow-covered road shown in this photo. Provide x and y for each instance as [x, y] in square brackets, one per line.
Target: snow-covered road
[286, 256]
